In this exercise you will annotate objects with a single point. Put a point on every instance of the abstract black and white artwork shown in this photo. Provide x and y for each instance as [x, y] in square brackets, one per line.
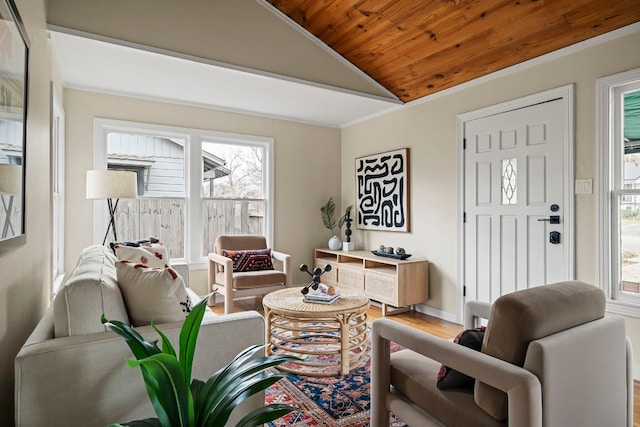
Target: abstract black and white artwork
[382, 191]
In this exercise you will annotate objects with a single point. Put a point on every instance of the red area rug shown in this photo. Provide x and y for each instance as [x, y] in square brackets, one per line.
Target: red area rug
[327, 401]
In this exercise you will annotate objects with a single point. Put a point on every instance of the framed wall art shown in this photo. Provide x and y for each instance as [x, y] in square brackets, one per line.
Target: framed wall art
[382, 191]
[14, 58]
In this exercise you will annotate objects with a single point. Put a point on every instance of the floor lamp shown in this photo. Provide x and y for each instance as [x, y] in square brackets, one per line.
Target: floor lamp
[10, 184]
[111, 184]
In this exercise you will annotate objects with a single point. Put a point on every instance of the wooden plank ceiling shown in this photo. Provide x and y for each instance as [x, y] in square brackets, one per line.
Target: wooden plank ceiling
[415, 48]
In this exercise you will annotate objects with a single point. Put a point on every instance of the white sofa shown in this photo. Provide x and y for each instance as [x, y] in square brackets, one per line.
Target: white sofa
[72, 370]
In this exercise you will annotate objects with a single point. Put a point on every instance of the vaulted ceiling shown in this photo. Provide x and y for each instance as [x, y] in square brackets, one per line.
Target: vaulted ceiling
[415, 48]
[326, 62]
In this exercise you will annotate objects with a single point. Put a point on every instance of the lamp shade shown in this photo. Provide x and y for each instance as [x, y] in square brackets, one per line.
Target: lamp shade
[10, 179]
[111, 184]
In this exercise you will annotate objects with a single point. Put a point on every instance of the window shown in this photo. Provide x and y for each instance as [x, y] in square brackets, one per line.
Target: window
[619, 193]
[233, 189]
[509, 182]
[192, 185]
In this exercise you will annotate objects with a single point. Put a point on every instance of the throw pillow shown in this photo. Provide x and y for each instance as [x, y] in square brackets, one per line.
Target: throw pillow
[150, 252]
[250, 260]
[135, 244]
[450, 378]
[156, 294]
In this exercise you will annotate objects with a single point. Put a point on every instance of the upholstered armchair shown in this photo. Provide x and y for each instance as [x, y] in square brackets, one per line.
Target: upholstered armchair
[241, 266]
[549, 357]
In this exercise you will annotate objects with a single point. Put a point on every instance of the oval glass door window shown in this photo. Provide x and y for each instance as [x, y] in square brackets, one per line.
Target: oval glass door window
[509, 174]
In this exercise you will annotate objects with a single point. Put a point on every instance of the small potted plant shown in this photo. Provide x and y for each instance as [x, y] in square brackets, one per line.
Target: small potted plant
[327, 213]
[180, 402]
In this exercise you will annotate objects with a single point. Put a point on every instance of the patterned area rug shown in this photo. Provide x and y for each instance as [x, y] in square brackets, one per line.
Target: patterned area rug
[327, 401]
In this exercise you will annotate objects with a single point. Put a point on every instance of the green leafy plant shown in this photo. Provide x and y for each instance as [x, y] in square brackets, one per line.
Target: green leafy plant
[180, 402]
[328, 215]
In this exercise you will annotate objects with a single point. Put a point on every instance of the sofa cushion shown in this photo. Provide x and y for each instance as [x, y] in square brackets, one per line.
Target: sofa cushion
[156, 294]
[154, 254]
[92, 289]
[450, 378]
[250, 259]
[414, 376]
[518, 318]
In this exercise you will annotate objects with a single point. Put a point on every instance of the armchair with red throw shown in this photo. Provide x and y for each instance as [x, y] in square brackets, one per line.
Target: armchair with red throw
[241, 266]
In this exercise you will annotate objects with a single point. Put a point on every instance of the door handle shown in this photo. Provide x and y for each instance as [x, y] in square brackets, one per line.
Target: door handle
[553, 219]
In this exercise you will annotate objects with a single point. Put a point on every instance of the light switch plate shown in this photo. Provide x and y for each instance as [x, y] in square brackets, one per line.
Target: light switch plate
[584, 186]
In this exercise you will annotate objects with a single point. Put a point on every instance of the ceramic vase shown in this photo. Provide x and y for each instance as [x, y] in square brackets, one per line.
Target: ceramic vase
[335, 243]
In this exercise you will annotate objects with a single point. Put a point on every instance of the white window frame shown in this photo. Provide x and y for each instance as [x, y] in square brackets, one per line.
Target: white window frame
[57, 133]
[608, 127]
[193, 177]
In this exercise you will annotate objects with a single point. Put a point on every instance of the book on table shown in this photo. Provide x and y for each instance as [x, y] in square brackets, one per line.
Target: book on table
[319, 297]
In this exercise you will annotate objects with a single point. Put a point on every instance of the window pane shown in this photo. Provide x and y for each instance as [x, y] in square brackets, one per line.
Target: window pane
[233, 190]
[631, 139]
[630, 203]
[232, 171]
[231, 217]
[509, 189]
[159, 210]
[158, 161]
[630, 244]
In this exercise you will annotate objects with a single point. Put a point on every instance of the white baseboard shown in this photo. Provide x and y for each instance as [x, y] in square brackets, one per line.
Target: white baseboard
[636, 372]
[435, 312]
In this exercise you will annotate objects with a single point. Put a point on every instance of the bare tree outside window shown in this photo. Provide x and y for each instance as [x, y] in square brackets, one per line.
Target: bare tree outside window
[233, 190]
[244, 165]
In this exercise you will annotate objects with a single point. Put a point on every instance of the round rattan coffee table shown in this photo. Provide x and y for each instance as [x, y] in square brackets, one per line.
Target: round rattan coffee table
[332, 338]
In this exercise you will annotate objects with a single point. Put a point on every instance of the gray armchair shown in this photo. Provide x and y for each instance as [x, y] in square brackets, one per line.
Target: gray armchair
[549, 358]
[235, 284]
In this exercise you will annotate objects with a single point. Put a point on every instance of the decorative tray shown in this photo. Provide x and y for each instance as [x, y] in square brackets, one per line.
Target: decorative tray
[394, 256]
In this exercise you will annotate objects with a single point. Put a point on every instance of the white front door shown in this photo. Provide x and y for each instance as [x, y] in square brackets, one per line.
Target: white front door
[517, 200]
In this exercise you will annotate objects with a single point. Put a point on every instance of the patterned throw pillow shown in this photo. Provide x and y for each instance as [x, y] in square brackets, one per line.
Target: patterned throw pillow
[250, 260]
[156, 294]
[150, 252]
[450, 378]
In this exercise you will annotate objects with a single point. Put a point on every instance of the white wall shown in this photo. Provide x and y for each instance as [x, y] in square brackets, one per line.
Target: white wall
[307, 168]
[26, 270]
[428, 128]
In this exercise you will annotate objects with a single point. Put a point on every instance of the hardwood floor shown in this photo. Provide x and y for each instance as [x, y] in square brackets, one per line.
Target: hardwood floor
[636, 403]
[416, 320]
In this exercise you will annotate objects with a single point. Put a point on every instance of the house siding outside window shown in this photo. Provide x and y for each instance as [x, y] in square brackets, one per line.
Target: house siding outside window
[192, 185]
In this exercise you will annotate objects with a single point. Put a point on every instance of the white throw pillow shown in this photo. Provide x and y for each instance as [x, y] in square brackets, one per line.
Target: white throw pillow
[156, 294]
[152, 254]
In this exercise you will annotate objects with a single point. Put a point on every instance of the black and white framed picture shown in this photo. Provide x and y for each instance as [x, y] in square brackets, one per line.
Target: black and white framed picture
[382, 191]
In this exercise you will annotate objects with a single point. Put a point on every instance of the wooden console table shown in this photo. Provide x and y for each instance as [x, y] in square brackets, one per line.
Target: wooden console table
[394, 283]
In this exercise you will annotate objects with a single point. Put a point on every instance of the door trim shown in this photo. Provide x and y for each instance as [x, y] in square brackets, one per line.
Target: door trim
[566, 94]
